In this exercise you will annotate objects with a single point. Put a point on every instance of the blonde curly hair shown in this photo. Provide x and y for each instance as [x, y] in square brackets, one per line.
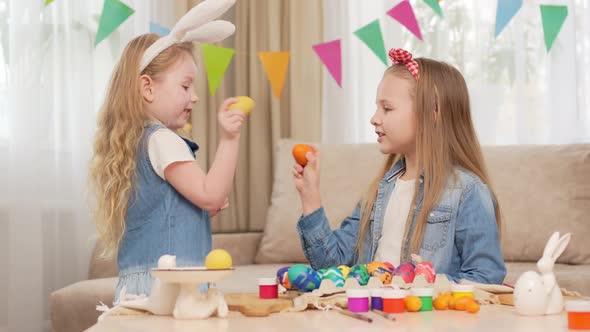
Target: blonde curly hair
[120, 127]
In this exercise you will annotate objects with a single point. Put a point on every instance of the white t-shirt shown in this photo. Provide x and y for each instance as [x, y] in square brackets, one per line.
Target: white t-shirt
[394, 222]
[166, 147]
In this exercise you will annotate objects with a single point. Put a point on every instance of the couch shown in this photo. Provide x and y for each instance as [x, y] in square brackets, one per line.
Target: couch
[541, 189]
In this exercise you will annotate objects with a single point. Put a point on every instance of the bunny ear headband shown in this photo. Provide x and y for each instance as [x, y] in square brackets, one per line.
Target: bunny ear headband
[198, 25]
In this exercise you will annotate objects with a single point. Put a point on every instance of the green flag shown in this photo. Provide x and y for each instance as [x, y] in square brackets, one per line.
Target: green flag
[371, 35]
[553, 18]
[217, 60]
[114, 12]
[435, 6]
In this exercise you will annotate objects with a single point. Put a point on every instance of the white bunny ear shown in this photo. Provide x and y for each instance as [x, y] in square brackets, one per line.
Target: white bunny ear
[210, 32]
[551, 244]
[560, 246]
[196, 25]
[202, 13]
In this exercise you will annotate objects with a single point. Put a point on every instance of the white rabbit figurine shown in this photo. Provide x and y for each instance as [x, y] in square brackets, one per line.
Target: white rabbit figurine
[538, 294]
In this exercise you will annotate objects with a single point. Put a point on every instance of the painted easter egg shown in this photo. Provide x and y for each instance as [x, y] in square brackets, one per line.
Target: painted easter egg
[381, 271]
[360, 273]
[299, 153]
[345, 270]
[218, 259]
[304, 277]
[333, 274]
[406, 271]
[391, 267]
[427, 270]
[244, 104]
[283, 277]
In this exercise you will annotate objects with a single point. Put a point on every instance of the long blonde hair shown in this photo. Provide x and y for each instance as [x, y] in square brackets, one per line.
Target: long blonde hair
[442, 143]
[120, 127]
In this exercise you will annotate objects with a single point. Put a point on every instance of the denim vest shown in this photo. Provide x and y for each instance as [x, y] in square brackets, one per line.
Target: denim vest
[460, 239]
[159, 221]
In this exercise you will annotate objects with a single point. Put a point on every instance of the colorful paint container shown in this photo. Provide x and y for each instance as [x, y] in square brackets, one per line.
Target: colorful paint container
[425, 294]
[578, 314]
[393, 300]
[462, 290]
[268, 288]
[358, 300]
[376, 298]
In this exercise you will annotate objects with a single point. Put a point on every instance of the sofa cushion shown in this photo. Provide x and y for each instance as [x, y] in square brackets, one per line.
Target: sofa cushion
[73, 307]
[541, 189]
[571, 277]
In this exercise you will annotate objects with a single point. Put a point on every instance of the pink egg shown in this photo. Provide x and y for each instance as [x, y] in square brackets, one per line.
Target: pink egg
[406, 271]
[427, 270]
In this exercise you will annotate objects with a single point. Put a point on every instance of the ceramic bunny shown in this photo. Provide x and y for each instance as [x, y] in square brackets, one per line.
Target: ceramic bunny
[538, 294]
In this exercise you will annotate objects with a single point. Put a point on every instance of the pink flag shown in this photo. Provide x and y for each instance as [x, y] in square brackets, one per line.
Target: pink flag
[330, 54]
[404, 14]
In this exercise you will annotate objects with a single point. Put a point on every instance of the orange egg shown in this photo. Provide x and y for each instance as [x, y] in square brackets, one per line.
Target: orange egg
[441, 303]
[413, 303]
[472, 307]
[452, 303]
[299, 151]
[462, 302]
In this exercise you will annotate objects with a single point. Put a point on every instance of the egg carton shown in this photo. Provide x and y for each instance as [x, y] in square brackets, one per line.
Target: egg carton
[327, 286]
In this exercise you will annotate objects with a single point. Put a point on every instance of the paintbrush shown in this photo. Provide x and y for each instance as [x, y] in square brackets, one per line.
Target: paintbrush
[355, 315]
[384, 314]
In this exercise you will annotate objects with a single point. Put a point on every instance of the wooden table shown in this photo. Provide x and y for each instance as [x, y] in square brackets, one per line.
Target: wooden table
[490, 318]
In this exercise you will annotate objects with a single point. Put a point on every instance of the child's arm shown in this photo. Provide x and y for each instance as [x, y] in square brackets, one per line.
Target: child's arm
[209, 191]
[322, 246]
[477, 238]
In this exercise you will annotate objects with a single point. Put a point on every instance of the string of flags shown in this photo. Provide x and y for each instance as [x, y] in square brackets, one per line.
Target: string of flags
[276, 64]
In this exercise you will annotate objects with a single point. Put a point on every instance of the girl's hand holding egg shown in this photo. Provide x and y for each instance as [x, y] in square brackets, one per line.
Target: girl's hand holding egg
[306, 175]
[231, 118]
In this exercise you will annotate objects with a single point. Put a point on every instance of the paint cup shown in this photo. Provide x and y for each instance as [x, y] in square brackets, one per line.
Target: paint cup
[578, 314]
[376, 298]
[425, 294]
[268, 288]
[462, 290]
[393, 301]
[358, 300]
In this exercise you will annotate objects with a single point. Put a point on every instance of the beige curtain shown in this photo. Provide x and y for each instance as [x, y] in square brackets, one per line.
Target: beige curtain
[262, 25]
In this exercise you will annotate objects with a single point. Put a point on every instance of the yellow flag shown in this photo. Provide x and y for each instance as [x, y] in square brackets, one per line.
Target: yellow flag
[275, 65]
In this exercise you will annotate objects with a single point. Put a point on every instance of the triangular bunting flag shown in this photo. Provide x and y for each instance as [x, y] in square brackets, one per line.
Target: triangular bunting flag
[158, 29]
[114, 12]
[48, 2]
[434, 4]
[331, 55]
[553, 18]
[404, 14]
[505, 12]
[372, 36]
[275, 65]
[217, 60]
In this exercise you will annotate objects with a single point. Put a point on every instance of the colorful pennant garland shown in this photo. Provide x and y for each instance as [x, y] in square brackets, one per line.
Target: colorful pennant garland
[276, 64]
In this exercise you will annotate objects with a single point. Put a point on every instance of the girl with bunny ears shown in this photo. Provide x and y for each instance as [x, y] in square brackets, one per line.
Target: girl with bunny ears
[153, 198]
[432, 197]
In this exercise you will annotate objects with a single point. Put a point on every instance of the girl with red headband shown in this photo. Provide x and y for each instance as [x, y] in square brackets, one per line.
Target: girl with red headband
[433, 196]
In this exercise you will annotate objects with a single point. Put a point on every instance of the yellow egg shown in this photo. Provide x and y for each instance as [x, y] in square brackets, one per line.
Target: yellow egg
[218, 259]
[244, 104]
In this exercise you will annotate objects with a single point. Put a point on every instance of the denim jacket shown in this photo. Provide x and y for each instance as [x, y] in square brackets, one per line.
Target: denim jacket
[461, 236]
[159, 221]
